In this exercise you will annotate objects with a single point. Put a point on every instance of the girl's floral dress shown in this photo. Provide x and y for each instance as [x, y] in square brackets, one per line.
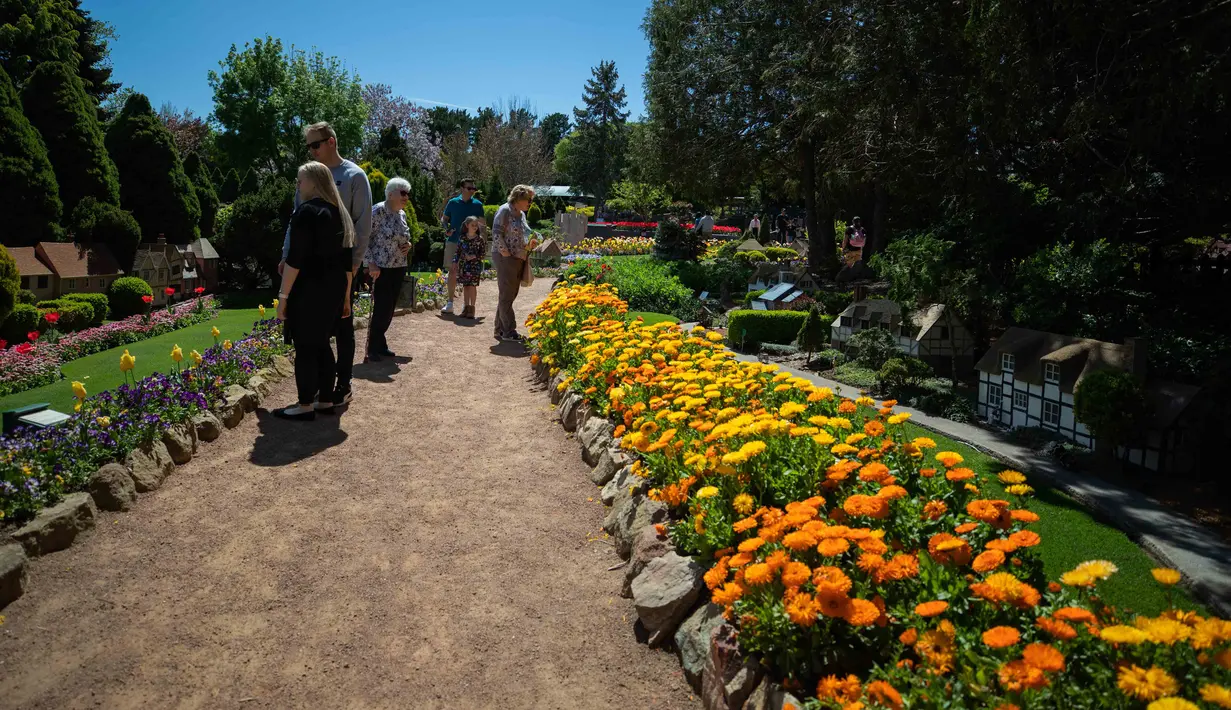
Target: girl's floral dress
[469, 270]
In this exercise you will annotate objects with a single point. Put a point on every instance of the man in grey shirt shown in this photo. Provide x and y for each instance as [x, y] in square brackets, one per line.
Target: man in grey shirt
[357, 199]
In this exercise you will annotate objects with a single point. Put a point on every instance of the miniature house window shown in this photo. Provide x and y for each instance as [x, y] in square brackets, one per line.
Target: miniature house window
[944, 332]
[994, 394]
[1051, 372]
[42, 282]
[864, 323]
[1020, 399]
[1051, 413]
[846, 321]
[102, 283]
[72, 284]
[25, 282]
[1007, 361]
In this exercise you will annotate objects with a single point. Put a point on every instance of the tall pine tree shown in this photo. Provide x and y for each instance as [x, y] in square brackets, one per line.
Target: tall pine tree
[92, 47]
[153, 185]
[600, 140]
[26, 178]
[57, 104]
[204, 186]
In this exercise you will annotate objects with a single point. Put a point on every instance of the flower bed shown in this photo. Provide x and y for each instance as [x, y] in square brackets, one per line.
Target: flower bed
[38, 466]
[862, 567]
[612, 246]
[654, 225]
[35, 364]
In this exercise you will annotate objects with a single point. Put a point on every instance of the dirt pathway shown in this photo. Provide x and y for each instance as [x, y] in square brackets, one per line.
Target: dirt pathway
[430, 548]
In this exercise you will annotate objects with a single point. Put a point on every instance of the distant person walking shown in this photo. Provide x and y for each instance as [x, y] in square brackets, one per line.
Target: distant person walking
[853, 241]
[456, 211]
[782, 225]
[754, 227]
[352, 185]
[511, 239]
[705, 225]
[386, 260]
[314, 298]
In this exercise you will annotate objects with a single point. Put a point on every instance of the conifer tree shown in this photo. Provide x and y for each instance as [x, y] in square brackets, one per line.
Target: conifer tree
[26, 179]
[204, 186]
[601, 139]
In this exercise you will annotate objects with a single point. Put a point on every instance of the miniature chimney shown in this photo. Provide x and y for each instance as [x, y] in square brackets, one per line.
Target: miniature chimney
[1141, 351]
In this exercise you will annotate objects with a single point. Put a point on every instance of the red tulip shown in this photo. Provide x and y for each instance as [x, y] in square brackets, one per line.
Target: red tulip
[32, 335]
[147, 299]
[24, 348]
[169, 291]
[51, 317]
[199, 290]
[3, 343]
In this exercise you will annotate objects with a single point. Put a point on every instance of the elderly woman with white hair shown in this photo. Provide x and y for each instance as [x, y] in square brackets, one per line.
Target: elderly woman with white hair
[386, 260]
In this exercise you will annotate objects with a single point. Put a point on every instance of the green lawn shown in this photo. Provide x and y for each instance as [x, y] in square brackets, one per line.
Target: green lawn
[1071, 535]
[101, 371]
[652, 318]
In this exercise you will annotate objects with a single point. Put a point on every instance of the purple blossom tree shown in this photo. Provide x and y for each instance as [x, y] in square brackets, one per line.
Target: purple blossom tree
[385, 109]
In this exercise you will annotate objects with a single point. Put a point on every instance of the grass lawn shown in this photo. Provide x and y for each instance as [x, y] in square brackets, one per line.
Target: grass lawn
[652, 318]
[101, 371]
[1071, 535]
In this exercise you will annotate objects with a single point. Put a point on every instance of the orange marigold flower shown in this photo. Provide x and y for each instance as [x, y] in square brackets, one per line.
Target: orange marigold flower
[1001, 636]
[988, 511]
[1004, 588]
[728, 595]
[758, 573]
[1016, 676]
[874, 428]
[740, 559]
[795, 574]
[988, 561]
[1074, 614]
[831, 579]
[874, 471]
[965, 528]
[1056, 629]
[1043, 657]
[777, 560]
[1006, 546]
[949, 459]
[901, 567]
[1024, 516]
[841, 689]
[833, 603]
[934, 510]
[744, 525]
[927, 472]
[959, 474]
[802, 609]
[874, 545]
[884, 694]
[799, 540]
[869, 562]
[717, 574]
[909, 637]
[847, 407]
[752, 544]
[929, 609]
[832, 547]
[892, 492]
[945, 548]
[861, 612]
[869, 506]
[1025, 538]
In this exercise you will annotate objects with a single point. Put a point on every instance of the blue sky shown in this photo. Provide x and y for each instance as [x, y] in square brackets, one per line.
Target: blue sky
[469, 54]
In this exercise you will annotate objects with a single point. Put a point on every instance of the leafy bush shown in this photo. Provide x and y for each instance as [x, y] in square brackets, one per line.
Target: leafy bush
[751, 257]
[834, 301]
[830, 357]
[873, 347]
[95, 222]
[672, 242]
[10, 283]
[436, 253]
[780, 350]
[489, 213]
[779, 254]
[250, 240]
[855, 375]
[534, 214]
[27, 296]
[719, 276]
[125, 296]
[97, 301]
[747, 328]
[1112, 404]
[74, 315]
[377, 181]
[23, 319]
[752, 296]
[900, 372]
[544, 224]
[647, 284]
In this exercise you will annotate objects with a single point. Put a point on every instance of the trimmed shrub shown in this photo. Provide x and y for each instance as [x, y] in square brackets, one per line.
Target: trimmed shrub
[855, 375]
[832, 357]
[534, 214]
[125, 295]
[752, 296]
[901, 372]
[97, 301]
[95, 222]
[74, 315]
[489, 213]
[814, 331]
[250, 241]
[748, 328]
[750, 257]
[153, 184]
[57, 104]
[10, 283]
[26, 177]
[23, 319]
[873, 347]
[26, 295]
[436, 253]
[378, 181]
[779, 254]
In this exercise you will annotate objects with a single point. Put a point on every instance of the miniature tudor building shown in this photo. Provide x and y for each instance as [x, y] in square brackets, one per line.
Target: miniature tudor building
[933, 334]
[548, 253]
[1028, 377]
[768, 275]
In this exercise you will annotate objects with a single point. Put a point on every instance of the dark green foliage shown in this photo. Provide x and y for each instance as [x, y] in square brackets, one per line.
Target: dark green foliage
[1112, 405]
[74, 315]
[752, 296]
[873, 347]
[94, 222]
[10, 283]
[92, 46]
[125, 294]
[22, 320]
[493, 192]
[27, 296]
[722, 277]
[230, 187]
[489, 213]
[750, 257]
[250, 183]
[554, 127]
[534, 214]
[392, 148]
[250, 242]
[195, 168]
[98, 301]
[814, 331]
[747, 329]
[781, 254]
[674, 243]
[900, 372]
[153, 185]
[601, 139]
[645, 283]
[26, 178]
[57, 105]
[436, 253]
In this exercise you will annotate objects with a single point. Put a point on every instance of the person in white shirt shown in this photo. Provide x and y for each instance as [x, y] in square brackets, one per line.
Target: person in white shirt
[705, 226]
[754, 227]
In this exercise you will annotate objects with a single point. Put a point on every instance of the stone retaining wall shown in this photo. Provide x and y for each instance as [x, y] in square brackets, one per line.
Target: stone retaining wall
[672, 603]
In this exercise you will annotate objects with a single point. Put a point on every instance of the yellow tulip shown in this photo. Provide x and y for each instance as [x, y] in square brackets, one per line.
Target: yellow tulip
[104, 421]
[226, 345]
[275, 304]
[262, 310]
[215, 332]
[78, 390]
[176, 354]
[196, 357]
[127, 361]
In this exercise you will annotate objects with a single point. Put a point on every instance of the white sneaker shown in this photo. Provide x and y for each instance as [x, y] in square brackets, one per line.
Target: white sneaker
[447, 310]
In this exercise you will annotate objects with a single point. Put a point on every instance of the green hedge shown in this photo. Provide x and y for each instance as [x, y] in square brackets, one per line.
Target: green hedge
[24, 318]
[74, 315]
[98, 301]
[755, 327]
[125, 296]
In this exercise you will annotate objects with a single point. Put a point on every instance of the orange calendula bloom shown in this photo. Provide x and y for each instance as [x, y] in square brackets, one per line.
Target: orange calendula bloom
[965, 528]
[832, 547]
[861, 612]
[1056, 629]
[1006, 546]
[799, 540]
[874, 428]
[1025, 538]
[959, 474]
[1004, 588]
[744, 525]
[1001, 636]
[802, 609]
[909, 637]
[1024, 516]
[869, 506]
[1043, 657]
[717, 574]
[901, 567]
[988, 561]
[949, 459]
[1016, 676]
[934, 510]
[795, 574]
[884, 695]
[1074, 614]
[841, 689]
[945, 548]
[833, 603]
[892, 493]
[751, 544]
[831, 579]
[728, 595]
[930, 609]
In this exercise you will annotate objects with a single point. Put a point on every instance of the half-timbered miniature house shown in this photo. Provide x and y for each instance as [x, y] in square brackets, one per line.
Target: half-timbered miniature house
[932, 334]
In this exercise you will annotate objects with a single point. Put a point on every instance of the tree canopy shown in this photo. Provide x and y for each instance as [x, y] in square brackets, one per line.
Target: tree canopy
[600, 139]
[26, 177]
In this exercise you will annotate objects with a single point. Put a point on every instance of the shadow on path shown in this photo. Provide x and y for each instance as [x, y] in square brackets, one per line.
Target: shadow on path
[381, 371]
[282, 442]
[508, 348]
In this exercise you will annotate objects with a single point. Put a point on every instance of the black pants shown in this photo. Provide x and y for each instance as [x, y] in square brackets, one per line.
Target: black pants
[346, 344]
[314, 370]
[384, 299]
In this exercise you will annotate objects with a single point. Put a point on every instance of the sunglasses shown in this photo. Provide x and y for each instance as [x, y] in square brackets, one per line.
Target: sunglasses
[317, 144]
[403, 193]
[469, 187]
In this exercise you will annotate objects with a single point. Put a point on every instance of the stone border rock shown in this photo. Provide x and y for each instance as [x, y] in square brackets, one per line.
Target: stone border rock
[667, 588]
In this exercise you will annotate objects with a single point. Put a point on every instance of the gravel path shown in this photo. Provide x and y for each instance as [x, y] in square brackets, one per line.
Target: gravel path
[437, 546]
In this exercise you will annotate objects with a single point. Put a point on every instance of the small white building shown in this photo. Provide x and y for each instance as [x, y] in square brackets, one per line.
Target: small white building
[932, 334]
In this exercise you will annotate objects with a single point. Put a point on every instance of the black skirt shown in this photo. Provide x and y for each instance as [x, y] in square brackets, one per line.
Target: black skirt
[314, 309]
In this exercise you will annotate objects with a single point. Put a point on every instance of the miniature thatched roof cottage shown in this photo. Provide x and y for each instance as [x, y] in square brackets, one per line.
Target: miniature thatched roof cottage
[933, 334]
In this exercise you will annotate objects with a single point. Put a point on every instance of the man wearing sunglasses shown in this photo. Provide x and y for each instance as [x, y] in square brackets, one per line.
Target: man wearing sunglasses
[456, 211]
[322, 144]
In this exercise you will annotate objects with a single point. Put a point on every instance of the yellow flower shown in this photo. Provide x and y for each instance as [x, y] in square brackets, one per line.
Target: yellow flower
[707, 492]
[226, 345]
[923, 442]
[1152, 684]
[1163, 630]
[1011, 477]
[196, 357]
[1217, 695]
[899, 418]
[1019, 489]
[1165, 576]
[177, 355]
[1097, 569]
[78, 390]
[215, 332]
[949, 459]
[743, 504]
[262, 310]
[103, 421]
[1173, 704]
[275, 304]
[127, 361]
[1123, 634]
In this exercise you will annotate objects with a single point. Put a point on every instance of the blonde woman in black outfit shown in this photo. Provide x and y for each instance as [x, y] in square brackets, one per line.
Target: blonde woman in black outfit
[315, 288]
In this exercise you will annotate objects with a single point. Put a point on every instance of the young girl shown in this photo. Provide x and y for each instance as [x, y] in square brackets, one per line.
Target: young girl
[469, 260]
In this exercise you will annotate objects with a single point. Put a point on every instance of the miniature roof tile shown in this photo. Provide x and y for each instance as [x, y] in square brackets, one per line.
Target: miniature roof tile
[750, 245]
[74, 261]
[28, 263]
[1076, 357]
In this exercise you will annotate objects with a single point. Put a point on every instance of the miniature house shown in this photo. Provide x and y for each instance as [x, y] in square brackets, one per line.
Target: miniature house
[548, 253]
[932, 334]
[750, 245]
[768, 275]
[778, 298]
[1028, 377]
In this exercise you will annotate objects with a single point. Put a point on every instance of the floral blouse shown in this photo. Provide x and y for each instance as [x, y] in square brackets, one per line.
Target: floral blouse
[389, 232]
[510, 231]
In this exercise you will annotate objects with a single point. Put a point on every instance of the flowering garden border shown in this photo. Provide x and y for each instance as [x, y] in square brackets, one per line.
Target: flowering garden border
[845, 560]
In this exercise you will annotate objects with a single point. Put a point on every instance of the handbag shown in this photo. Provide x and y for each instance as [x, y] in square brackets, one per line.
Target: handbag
[527, 273]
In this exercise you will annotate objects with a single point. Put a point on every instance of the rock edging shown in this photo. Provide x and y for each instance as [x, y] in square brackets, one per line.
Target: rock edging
[668, 592]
